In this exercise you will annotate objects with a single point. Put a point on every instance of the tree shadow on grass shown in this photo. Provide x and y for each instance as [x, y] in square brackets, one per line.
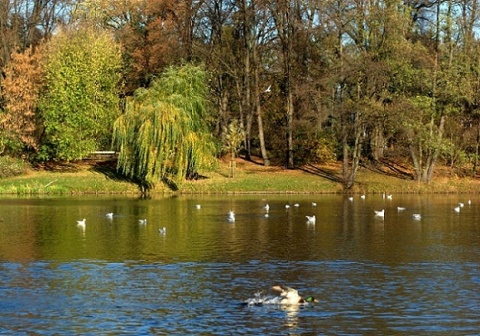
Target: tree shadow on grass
[389, 168]
[329, 174]
[58, 167]
[109, 170]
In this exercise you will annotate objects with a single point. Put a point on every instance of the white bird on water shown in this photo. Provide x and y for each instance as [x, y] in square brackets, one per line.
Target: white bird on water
[142, 221]
[231, 216]
[162, 231]
[198, 206]
[401, 208]
[457, 209]
[109, 215]
[380, 213]
[81, 222]
[266, 207]
[417, 216]
[311, 219]
[314, 204]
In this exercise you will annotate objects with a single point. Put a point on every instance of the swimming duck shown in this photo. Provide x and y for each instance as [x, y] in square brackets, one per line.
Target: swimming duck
[291, 297]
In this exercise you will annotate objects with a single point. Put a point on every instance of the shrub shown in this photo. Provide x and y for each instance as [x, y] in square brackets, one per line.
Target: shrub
[12, 166]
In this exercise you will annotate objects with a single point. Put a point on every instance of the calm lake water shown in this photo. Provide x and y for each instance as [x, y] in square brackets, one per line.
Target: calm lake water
[371, 275]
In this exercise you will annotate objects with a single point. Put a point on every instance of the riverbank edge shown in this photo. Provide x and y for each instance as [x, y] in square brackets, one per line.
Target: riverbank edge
[250, 178]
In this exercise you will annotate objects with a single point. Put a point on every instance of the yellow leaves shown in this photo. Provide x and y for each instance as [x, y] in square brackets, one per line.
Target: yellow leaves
[164, 126]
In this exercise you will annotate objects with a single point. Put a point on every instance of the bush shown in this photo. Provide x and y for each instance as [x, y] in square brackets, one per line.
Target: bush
[11, 167]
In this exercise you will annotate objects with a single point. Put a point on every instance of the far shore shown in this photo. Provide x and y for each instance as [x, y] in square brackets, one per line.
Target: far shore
[250, 177]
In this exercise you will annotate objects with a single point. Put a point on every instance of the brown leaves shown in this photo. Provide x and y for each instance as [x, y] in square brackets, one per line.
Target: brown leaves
[21, 88]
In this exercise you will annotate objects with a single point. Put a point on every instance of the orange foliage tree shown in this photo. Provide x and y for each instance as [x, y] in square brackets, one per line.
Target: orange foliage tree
[20, 89]
[149, 33]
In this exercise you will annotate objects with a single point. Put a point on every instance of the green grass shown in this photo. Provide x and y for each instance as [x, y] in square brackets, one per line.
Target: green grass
[262, 183]
[65, 183]
[249, 178]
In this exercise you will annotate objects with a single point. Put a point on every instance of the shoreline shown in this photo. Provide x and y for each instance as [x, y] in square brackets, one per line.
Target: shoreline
[251, 178]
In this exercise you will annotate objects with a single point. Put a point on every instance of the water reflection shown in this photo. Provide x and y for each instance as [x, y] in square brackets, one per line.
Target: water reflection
[392, 275]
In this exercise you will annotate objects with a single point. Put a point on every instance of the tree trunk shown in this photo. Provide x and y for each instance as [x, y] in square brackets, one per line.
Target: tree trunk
[425, 158]
[350, 166]
[246, 97]
[222, 107]
[284, 23]
[417, 161]
[291, 162]
[256, 83]
[433, 158]
[477, 145]
[377, 143]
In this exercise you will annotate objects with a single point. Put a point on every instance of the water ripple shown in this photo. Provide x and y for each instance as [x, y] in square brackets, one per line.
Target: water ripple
[90, 297]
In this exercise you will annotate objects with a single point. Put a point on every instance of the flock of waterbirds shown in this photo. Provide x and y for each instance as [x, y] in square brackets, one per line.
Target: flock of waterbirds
[378, 213]
[416, 216]
[109, 215]
[310, 219]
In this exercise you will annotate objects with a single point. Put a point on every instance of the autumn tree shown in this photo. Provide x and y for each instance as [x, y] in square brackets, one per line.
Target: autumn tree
[154, 34]
[81, 97]
[24, 78]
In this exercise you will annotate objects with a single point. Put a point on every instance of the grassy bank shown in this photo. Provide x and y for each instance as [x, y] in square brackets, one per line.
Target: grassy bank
[94, 178]
[66, 179]
[254, 178]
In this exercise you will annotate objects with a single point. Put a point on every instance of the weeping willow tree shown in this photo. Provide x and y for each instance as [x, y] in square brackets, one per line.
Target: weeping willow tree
[163, 134]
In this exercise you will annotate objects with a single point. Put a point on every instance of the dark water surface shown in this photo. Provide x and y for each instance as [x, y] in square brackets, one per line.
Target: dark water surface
[372, 275]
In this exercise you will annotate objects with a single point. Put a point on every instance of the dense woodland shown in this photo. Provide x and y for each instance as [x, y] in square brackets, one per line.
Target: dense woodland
[300, 81]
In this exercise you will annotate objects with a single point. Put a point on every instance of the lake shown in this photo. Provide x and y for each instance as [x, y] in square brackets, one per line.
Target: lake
[391, 275]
